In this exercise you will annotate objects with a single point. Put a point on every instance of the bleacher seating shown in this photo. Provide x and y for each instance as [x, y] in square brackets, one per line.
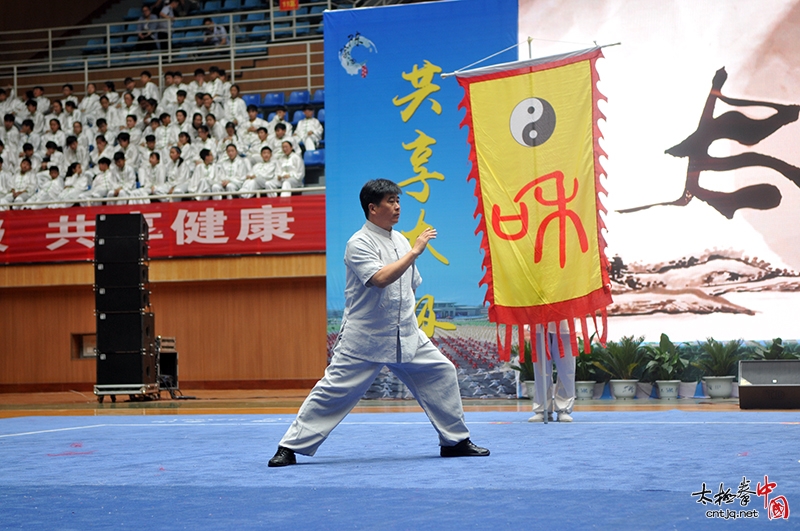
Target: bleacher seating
[319, 97]
[273, 99]
[321, 115]
[298, 115]
[251, 99]
[297, 98]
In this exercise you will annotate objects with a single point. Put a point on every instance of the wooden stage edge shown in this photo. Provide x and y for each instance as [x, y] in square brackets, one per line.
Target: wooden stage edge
[84, 387]
[287, 402]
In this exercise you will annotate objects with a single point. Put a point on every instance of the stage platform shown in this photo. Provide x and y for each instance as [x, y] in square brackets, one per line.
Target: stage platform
[201, 464]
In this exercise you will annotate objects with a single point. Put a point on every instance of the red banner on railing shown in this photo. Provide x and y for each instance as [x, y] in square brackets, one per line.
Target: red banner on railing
[189, 228]
[289, 5]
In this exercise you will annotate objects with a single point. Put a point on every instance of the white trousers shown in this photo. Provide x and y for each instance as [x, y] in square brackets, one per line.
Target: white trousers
[430, 376]
[565, 385]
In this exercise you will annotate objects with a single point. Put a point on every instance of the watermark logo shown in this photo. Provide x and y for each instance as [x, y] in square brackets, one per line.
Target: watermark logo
[776, 506]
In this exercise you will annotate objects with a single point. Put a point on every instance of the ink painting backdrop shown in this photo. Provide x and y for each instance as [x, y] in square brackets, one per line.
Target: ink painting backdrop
[719, 253]
[391, 115]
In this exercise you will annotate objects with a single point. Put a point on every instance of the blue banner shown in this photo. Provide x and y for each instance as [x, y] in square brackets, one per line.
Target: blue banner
[391, 115]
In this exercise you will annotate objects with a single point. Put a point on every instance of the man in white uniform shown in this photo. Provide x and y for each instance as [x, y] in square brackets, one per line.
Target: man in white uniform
[379, 328]
[564, 398]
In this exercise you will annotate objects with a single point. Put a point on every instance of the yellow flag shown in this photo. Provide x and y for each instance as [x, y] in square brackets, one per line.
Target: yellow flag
[535, 155]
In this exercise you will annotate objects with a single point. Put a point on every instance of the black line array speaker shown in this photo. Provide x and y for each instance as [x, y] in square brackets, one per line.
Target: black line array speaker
[120, 368]
[769, 384]
[126, 339]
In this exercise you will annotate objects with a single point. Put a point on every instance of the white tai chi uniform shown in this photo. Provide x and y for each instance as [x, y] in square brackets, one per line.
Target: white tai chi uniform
[309, 132]
[379, 328]
[565, 386]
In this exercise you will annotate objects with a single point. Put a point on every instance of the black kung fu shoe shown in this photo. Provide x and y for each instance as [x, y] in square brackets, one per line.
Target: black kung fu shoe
[283, 457]
[465, 448]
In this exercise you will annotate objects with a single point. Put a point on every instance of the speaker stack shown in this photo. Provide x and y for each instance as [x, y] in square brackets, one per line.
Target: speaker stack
[127, 361]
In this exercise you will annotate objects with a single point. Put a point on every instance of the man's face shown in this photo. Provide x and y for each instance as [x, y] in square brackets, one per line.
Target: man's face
[207, 101]
[386, 213]
[25, 166]
[232, 152]
[129, 122]
[37, 92]
[252, 114]
[262, 135]
[153, 159]
[151, 146]
[66, 92]
[53, 126]
[266, 155]
[280, 132]
[8, 125]
[104, 103]
[281, 113]
[309, 113]
[54, 174]
[77, 128]
[120, 163]
[234, 92]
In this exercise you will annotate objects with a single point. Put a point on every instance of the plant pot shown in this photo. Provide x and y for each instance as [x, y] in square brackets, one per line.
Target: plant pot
[584, 390]
[668, 389]
[623, 389]
[719, 386]
[530, 388]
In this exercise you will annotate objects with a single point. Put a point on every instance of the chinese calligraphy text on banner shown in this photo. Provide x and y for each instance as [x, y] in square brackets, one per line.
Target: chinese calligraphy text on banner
[383, 71]
[533, 130]
[193, 228]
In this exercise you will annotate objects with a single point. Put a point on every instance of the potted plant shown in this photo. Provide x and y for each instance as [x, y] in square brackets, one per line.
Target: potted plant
[776, 351]
[719, 362]
[525, 368]
[665, 365]
[585, 371]
[622, 360]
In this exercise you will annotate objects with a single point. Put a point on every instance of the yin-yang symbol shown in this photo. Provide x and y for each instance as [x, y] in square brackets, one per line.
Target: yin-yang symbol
[532, 122]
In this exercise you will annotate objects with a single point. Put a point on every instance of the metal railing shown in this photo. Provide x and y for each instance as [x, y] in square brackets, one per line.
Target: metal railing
[105, 45]
[293, 69]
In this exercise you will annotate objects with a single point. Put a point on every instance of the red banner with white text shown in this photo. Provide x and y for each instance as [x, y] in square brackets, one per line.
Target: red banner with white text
[194, 228]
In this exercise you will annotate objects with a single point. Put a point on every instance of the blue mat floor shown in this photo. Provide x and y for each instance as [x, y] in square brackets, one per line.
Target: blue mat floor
[606, 470]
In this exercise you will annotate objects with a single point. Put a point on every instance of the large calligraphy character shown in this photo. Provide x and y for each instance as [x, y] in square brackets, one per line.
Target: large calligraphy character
[747, 131]
[562, 213]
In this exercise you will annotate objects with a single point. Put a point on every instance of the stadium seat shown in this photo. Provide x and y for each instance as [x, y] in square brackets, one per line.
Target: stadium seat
[251, 99]
[271, 116]
[133, 13]
[195, 22]
[259, 33]
[314, 158]
[179, 23]
[255, 18]
[283, 30]
[116, 43]
[273, 99]
[178, 39]
[298, 97]
[298, 115]
[193, 38]
[94, 46]
[319, 97]
[116, 28]
[321, 116]
[231, 5]
[253, 4]
[303, 28]
[212, 6]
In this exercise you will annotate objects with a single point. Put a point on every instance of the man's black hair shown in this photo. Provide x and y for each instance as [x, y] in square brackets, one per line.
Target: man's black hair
[374, 191]
[119, 155]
